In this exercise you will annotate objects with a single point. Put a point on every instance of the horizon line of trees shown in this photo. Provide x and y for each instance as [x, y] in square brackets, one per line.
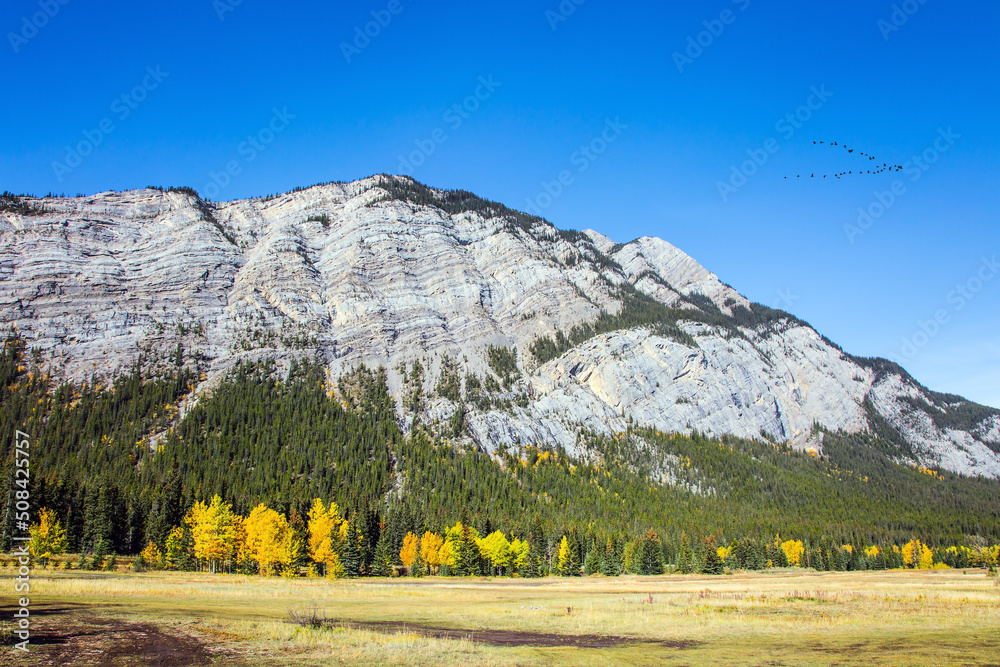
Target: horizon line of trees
[213, 538]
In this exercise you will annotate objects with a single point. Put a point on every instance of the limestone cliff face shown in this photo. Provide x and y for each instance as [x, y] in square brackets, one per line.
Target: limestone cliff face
[383, 271]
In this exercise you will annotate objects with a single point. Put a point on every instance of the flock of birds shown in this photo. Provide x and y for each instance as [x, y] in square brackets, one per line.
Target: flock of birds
[885, 166]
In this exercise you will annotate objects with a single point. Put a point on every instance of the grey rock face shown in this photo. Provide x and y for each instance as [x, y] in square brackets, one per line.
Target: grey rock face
[354, 274]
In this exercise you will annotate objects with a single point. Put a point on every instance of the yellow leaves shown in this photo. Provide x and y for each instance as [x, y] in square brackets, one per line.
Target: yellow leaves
[270, 540]
[411, 548]
[431, 549]
[175, 546]
[723, 553]
[848, 548]
[793, 551]
[213, 528]
[565, 557]
[150, 554]
[48, 538]
[496, 548]
[324, 540]
[872, 552]
[917, 555]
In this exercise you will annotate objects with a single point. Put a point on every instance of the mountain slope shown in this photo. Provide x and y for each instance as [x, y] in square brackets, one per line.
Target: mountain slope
[387, 272]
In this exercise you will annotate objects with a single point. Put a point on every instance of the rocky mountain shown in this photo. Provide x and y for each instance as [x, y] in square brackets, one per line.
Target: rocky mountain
[490, 322]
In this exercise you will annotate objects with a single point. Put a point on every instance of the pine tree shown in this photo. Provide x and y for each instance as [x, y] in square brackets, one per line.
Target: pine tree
[382, 560]
[713, 564]
[593, 563]
[569, 564]
[650, 555]
[351, 556]
[610, 562]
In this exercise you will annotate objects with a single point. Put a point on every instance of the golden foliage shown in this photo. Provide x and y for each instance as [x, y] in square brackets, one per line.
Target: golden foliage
[213, 528]
[48, 537]
[324, 533]
[411, 547]
[793, 551]
[270, 540]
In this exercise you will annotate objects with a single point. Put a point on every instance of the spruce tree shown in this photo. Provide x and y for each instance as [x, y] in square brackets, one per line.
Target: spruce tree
[351, 556]
[713, 564]
[593, 563]
[382, 560]
[650, 555]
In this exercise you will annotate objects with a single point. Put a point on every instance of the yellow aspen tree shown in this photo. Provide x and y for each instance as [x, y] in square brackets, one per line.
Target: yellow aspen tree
[565, 557]
[48, 538]
[793, 551]
[430, 550]
[151, 554]
[213, 530]
[446, 554]
[520, 552]
[267, 538]
[324, 533]
[411, 548]
[497, 550]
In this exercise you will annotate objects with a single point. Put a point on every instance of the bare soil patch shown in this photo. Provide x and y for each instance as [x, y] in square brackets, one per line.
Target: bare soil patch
[91, 641]
[507, 637]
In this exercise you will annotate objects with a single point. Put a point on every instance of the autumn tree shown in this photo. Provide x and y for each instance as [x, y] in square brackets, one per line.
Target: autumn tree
[496, 549]
[520, 555]
[324, 535]
[409, 555]
[793, 551]
[213, 530]
[430, 550]
[269, 539]
[48, 538]
[917, 555]
[569, 565]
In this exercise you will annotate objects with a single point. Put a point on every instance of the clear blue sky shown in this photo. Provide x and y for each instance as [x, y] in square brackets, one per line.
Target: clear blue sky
[779, 241]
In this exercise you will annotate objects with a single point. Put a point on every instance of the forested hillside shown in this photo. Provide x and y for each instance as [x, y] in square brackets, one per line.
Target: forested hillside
[121, 469]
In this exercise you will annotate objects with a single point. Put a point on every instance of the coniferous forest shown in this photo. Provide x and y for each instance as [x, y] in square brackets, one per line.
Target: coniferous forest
[291, 469]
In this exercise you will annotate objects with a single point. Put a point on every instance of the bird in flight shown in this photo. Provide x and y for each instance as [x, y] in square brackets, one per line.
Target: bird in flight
[885, 166]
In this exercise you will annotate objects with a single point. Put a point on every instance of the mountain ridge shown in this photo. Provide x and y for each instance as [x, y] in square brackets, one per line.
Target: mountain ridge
[388, 272]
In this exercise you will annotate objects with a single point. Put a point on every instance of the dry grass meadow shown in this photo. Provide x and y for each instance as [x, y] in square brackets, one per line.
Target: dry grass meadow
[783, 617]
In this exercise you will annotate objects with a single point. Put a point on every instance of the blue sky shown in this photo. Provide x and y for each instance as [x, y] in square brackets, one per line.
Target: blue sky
[914, 282]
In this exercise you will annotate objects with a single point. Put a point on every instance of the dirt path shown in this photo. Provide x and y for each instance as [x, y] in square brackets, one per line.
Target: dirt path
[505, 637]
[67, 637]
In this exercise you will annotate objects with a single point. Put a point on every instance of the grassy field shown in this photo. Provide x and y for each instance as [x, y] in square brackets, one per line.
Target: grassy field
[784, 617]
